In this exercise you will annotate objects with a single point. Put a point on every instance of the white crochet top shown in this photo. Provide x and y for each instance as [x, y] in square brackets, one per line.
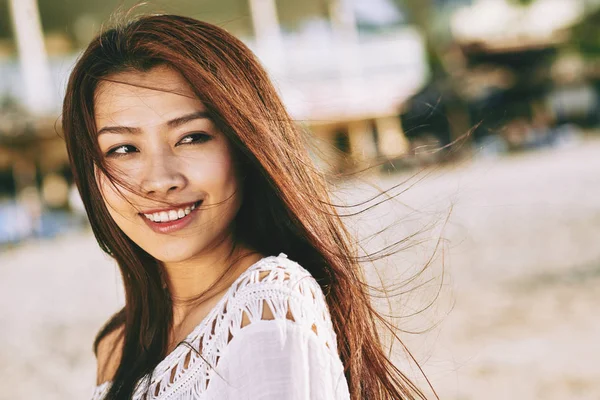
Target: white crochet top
[292, 356]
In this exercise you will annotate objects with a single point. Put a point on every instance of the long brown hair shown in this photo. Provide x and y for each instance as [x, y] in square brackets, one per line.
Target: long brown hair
[286, 206]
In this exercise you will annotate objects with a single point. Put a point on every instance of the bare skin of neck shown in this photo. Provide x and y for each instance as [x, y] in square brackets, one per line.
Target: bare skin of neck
[208, 275]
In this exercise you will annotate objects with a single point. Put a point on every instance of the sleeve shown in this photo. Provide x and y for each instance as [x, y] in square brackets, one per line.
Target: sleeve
[278, 359]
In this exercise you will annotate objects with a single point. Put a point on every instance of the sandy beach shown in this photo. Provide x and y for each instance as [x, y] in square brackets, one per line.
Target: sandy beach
[517, 282]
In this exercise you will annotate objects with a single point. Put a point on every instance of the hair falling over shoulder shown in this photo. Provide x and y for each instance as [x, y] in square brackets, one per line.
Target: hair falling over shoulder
[286, 206]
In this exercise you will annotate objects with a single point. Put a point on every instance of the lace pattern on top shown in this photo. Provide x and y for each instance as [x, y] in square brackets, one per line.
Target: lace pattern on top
[287, 289]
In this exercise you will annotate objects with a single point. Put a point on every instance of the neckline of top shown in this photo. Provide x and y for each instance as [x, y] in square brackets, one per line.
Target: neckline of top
[175, 353]
[198, 328]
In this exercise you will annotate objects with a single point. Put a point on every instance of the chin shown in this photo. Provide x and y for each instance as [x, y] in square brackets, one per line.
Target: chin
[171, 249]
[172, 253]
[174, 257]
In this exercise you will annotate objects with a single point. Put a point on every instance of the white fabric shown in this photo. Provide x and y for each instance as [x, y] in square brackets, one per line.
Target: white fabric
[293, 356]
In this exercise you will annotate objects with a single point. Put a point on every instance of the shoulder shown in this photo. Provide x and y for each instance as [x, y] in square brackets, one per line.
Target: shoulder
[279, 277]
[274, 270]
[279, 343]
[279, 289]
[108, 354]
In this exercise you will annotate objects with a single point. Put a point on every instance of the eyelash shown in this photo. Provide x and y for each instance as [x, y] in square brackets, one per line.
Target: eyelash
[197, 138]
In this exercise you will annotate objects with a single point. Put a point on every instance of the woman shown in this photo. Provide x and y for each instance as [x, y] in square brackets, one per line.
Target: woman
[198, 183]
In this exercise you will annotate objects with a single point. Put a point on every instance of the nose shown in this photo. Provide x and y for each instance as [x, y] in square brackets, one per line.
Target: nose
[162, 177]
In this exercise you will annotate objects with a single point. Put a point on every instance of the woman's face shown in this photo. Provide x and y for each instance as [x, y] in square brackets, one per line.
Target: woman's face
[162, 142]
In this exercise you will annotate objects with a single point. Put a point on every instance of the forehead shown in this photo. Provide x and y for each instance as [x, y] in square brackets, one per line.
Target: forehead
[143, 98]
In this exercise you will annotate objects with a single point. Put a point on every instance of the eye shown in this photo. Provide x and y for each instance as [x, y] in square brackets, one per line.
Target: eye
[122, 150]
[195, 138]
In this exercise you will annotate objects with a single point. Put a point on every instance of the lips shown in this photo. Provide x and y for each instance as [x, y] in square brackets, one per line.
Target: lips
[170, 220]
[170, 215]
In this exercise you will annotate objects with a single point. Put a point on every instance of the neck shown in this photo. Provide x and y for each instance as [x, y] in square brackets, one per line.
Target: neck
[198, 280]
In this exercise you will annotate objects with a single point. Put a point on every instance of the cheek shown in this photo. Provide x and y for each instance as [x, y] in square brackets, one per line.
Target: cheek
[216, 175]
[112, 194]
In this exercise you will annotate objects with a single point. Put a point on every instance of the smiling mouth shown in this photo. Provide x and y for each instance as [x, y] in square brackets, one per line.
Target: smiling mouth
[171, 215]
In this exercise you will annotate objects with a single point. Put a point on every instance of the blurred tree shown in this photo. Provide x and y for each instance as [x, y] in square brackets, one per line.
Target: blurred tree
[63, 15]
[523, 2]
[5, 27]
[443, 89]
[585, 36]
[421, 14]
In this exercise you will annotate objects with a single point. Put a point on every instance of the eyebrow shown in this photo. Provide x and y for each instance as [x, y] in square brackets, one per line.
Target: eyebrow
[174, 123]
[187, 118]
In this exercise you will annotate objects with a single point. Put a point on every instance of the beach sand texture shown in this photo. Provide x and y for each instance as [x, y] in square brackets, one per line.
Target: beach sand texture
[516, 316]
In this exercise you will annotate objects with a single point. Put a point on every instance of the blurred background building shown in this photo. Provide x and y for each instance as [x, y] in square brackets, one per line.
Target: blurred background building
[373, 80]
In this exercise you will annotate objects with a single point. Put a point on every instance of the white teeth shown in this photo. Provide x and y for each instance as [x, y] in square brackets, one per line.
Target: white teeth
[164, 216]
[171, 215]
